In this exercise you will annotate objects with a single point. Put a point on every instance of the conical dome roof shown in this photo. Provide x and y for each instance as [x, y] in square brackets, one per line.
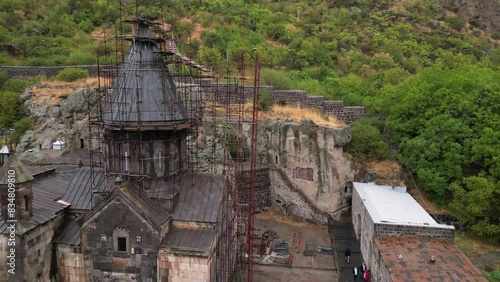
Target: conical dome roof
[145, 93]
[15, 169]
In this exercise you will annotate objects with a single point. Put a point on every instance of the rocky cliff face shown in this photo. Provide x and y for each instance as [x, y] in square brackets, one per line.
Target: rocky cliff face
[309, 169]
[64, 119]
[486, 12]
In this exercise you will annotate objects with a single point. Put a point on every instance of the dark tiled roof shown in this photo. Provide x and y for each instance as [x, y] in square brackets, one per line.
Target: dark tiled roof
[192, 241]
[21, 173]
[135, 198]
[165, 189]
[451, 264]
[200, 199]
[161, 191]
[72, 158]
[79, 192]
[70, 234]
[40, 170]
[46, 192]
[145, 92]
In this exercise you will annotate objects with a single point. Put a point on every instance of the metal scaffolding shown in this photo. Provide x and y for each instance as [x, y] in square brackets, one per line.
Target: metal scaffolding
[148, 120]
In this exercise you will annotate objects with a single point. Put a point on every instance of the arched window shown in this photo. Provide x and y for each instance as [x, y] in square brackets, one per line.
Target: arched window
[26, 202]
[359, 227]
[125, 164]
[160, 160]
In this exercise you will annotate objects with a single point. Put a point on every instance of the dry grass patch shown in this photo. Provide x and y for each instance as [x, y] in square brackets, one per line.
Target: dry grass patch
[473, 245]
[101, 34]
[278, 217]
[297, 114]
[291, 113]
[388, 172]
[54, 91]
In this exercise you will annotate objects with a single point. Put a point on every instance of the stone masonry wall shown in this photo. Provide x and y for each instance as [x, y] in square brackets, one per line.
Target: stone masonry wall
[292, 202]
[285, 97]
[23, 72]
[380, 271]
[262, 187]
[183, 268]
[33, 253]
[442, 233]
[71, 265]
[366, 232]
[39, 249]
[223, 92]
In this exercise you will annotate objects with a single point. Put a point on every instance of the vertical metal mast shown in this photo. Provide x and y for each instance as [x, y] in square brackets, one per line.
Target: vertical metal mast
[251, 204]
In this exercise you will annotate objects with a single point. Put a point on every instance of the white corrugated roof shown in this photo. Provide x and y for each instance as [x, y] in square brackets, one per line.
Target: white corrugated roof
[58, 143]
[387, 204]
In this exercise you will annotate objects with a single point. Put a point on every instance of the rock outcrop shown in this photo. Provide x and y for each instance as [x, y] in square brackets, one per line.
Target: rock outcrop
[308, 167]
[66, 121]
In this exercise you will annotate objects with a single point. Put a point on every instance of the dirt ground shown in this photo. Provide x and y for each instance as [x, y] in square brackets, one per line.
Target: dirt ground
[304, 268]
[483, 254]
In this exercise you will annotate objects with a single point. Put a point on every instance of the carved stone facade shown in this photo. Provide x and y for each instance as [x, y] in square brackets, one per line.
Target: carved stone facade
[308, 167]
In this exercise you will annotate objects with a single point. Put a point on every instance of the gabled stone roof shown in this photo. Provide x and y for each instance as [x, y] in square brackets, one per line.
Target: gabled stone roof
[136, 199]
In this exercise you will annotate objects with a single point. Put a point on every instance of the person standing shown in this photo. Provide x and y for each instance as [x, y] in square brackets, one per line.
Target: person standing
[347, 255]
[355, 272]
[366, 276]
[362, 271]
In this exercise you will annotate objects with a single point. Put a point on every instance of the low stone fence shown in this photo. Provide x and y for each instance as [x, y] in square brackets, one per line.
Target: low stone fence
[224, 92]
[229, 93]
[23, 72]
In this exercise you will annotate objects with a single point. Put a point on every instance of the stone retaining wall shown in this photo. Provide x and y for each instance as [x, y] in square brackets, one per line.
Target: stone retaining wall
[23, 72]
[442, 232]
[224, 92]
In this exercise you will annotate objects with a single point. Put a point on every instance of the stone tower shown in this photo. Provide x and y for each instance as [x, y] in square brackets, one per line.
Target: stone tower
[15, 188]
[144, 118]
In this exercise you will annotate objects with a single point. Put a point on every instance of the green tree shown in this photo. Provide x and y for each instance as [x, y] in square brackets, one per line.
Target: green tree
[367, 143]
[274, 78]
[439, 153]
[10, 108]
[478, 197]
[20, 127]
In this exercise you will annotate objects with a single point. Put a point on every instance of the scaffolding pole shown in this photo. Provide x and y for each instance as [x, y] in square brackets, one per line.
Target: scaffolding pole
[251, 201]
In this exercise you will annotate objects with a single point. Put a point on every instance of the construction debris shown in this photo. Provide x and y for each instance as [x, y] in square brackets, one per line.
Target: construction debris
[310, 249]
[325, 250]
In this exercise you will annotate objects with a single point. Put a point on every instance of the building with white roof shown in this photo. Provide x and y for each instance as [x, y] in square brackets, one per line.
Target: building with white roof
[379, 211]
[58, 145]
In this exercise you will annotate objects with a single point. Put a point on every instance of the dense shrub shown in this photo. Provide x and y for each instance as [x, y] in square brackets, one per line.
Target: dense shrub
[455, 22]
[3, 78]
[367, 143]
[14, 85]
[78, 57]
[265, 100]
[274, 78]
[20, 128]
[71, 74]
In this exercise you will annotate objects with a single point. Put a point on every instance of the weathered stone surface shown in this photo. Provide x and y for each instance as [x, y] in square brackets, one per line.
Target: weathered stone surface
[77, 102]
[66, 121]
[318, 150]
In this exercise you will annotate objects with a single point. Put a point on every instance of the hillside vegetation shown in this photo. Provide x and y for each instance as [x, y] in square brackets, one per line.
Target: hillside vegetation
[428, 78]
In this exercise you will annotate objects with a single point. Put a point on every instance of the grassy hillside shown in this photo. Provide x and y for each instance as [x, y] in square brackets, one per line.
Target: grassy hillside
[426, 71]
